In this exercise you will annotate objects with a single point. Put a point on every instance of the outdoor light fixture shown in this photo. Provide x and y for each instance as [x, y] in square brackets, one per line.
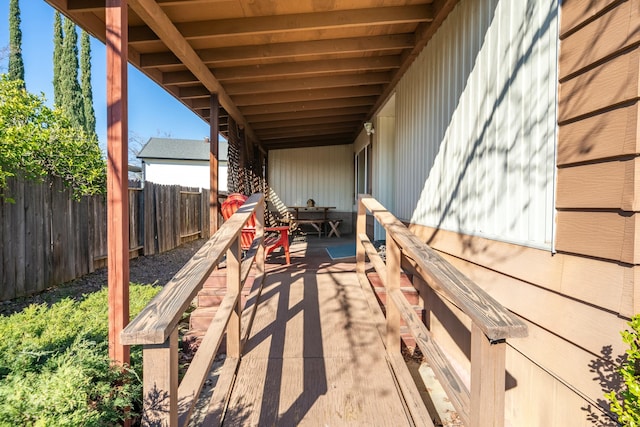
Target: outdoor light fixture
[368, 126]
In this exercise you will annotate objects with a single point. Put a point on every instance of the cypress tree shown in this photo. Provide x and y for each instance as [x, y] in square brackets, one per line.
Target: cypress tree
[71, 93]
[16, 65]
[87, 91]
[57, 60]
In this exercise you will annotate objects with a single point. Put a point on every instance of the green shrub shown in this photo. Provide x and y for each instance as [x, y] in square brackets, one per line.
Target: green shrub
[55, 369]
[36, 140]
[626, 402]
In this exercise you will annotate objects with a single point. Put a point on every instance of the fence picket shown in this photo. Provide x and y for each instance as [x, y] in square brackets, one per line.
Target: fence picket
[47, 238]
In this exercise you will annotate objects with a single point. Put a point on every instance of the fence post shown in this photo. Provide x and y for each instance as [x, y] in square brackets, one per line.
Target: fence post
[487, 380]
[160, 382]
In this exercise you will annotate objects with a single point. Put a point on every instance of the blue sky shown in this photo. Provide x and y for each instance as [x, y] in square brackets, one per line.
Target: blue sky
[152, 111]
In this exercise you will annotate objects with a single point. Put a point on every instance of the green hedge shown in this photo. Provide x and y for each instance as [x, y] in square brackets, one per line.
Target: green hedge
[55, 369]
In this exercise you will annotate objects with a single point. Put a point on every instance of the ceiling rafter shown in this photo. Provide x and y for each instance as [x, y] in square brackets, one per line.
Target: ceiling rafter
[380, 63]
[286, 50]
[295, 22]
[308, 95]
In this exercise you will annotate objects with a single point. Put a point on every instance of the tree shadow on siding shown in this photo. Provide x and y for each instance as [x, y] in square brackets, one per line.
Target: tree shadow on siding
[609, 379]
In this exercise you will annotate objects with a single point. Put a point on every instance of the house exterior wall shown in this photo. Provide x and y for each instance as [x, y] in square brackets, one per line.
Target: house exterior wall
[187, 173]
[574, 301]
[324, 174]
[476, 124]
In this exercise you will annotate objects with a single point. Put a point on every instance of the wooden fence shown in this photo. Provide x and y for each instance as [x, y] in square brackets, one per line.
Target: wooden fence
[47, 238]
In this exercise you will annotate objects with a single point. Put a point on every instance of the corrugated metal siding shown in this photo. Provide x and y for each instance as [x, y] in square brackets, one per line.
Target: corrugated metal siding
[383, 162]
[324, 174]
[476, 131]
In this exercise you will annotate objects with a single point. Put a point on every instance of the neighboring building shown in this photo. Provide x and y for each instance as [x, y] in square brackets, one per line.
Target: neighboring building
[184, 162]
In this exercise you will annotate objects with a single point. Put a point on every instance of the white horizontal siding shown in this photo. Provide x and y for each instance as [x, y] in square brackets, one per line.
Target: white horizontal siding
[475, 129]
[324, 174]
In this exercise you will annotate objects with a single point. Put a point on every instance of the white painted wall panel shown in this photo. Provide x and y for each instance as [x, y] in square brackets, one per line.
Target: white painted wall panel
[475, 116]
[183, 172]
[324, 174]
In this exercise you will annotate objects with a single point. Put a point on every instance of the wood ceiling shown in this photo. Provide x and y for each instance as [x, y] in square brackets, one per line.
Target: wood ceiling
[292, 73]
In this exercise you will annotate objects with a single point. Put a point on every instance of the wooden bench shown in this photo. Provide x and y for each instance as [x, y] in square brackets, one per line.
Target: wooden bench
[315, 223]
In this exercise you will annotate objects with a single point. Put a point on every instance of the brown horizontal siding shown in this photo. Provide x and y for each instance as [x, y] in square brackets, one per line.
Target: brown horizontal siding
[612, 134]
[613, 83]
[609, 185]
[598, 131]
[601, 234]
[576, 13]
[613, 32]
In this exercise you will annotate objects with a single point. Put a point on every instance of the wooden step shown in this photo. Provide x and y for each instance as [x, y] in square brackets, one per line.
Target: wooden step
[201, 318]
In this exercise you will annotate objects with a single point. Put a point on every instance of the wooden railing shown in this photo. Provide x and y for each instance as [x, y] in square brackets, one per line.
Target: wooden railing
[165, 402]
[492, 324]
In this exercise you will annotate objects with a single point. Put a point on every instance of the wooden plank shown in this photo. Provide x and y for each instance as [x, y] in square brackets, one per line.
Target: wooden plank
[221, 393]
[234, 285]
[601, 185]
[48, 250]
[455, 388]
[19, 231]
[31, 234]
[617, 235]
[575, 13]
[303, 350]
[149, 219]
[613, 83]
[160, 385]
[408, 390]
[491, 316]
[196, 375]
[116, 20]
[613, 133]
[162, 314]
[8, 290]
[487, 380]
[392, 283]
[613, 32]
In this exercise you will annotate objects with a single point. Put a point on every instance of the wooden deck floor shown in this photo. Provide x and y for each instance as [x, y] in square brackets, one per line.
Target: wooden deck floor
[314, 354]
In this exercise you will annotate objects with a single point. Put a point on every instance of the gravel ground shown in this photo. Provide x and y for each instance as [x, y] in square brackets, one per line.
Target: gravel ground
[158, 269]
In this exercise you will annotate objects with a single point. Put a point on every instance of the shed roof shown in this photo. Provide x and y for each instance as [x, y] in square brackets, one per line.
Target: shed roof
[180, 149]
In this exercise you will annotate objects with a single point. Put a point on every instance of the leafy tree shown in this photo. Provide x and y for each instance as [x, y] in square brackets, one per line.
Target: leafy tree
[72, 103]
[35, 141]
[16, 65]
[57, 59]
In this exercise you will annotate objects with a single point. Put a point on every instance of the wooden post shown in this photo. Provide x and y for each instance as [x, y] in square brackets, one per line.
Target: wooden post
[261, 255]
[487, 380]
[160, 385]
[393, 283]
[234, 256]
[214, 124]
[117, 182]
[361, 228]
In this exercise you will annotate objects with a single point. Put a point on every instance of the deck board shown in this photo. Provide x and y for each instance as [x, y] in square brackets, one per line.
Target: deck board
[314, 357]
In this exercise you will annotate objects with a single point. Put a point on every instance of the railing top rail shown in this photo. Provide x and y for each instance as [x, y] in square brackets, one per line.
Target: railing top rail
[492, 318]
[159, 318]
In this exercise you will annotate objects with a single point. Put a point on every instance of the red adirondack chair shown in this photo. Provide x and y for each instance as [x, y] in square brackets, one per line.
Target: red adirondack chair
[274, 236]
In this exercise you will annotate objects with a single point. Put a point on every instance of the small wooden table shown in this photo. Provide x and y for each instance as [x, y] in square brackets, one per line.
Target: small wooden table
[315, 221]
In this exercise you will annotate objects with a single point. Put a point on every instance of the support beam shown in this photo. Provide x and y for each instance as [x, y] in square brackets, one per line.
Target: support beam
[117, 177]
[214, 123]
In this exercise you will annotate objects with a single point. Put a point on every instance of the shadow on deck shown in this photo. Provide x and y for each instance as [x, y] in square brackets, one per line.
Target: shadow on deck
[314, 354]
